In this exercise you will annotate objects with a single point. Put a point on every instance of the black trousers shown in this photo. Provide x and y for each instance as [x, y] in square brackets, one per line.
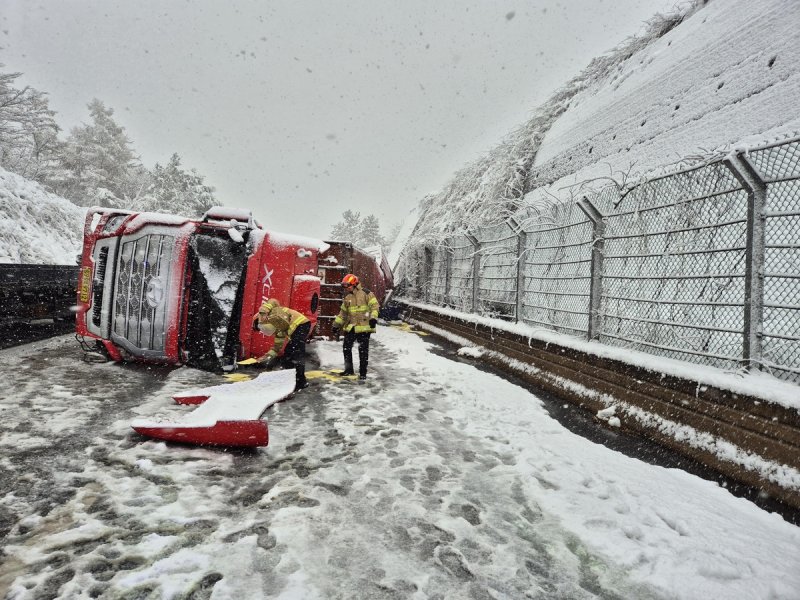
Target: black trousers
[350, 338]
[294, 355]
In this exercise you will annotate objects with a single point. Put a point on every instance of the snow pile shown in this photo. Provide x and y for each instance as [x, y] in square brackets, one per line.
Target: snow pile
[609, 416]
[37, 227]
[288, 239]
[470, 351]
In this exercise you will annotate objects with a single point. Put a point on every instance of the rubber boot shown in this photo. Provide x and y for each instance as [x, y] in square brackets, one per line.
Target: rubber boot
[348, 366]
[363, 357]
[300, 381]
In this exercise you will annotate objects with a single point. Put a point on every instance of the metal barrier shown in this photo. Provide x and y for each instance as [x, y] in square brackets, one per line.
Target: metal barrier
[35, 292]
[702, 265]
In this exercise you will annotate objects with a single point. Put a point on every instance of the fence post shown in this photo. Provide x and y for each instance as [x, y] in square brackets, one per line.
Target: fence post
[448, 267]
[746, 174]
[428, 270]
[522, 237]
[596, 267]
[476, 270]
[419, 259]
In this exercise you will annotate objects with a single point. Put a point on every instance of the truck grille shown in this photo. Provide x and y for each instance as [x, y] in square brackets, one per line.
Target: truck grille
[141, 301]
[99, 285]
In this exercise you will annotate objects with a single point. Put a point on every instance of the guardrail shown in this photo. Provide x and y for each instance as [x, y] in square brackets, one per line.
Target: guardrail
[34, 292]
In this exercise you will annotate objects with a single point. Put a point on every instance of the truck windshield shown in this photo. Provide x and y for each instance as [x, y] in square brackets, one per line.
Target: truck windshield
[216, 268]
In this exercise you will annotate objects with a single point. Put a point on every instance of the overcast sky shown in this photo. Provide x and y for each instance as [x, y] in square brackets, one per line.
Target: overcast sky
[302, 109]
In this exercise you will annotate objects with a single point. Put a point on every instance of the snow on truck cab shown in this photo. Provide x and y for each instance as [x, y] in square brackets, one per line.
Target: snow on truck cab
[168, 289]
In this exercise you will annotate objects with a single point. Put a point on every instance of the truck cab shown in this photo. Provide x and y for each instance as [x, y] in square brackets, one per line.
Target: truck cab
[170, 289]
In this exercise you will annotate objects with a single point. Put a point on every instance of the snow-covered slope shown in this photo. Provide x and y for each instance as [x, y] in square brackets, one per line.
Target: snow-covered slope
[728, 75]
[37, 227]
[710, 76]
[406, 229]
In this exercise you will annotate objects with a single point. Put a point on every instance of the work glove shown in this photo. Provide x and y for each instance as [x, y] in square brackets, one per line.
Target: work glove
[335, 330]
[373, 323]
[270, 361]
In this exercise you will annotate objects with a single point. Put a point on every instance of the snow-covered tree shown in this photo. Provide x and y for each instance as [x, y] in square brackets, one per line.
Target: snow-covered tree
[390, 238]
[96, 165]
[98, 161]
[348, 229]
[371, 231]
[29, 142]
[174, 190]
[362, 232]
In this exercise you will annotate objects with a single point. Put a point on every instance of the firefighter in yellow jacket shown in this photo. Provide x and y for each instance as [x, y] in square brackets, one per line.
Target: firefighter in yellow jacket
[357, 318]
[283, 323]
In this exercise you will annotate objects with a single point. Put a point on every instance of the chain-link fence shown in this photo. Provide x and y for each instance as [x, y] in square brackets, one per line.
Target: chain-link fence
[497, 284]
[674, 267]
[556, 270]
[778, 167]
[702, 265]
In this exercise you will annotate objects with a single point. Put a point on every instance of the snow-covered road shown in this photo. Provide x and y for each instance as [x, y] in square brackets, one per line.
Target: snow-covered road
[431, 480]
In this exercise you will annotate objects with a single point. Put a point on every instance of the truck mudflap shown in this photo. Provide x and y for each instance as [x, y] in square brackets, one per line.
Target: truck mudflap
[226, 415]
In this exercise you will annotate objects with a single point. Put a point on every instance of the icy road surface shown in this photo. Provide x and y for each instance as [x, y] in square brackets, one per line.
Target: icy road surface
[431, 480]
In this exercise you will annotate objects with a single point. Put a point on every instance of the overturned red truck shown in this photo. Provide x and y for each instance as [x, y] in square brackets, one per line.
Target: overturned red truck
[169, 289]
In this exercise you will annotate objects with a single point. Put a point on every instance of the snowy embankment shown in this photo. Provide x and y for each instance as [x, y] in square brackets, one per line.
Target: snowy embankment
[432, 479]
[37, 227]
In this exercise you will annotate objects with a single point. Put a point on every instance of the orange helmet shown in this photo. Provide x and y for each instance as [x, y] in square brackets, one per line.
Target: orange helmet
[350, 279]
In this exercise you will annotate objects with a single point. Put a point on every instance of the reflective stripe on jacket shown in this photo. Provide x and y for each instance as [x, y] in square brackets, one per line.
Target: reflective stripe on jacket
[285, 321]
[358, 307]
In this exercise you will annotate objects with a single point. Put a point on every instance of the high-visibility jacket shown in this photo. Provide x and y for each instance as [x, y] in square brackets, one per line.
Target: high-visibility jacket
[358, 307]
[285, 321]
